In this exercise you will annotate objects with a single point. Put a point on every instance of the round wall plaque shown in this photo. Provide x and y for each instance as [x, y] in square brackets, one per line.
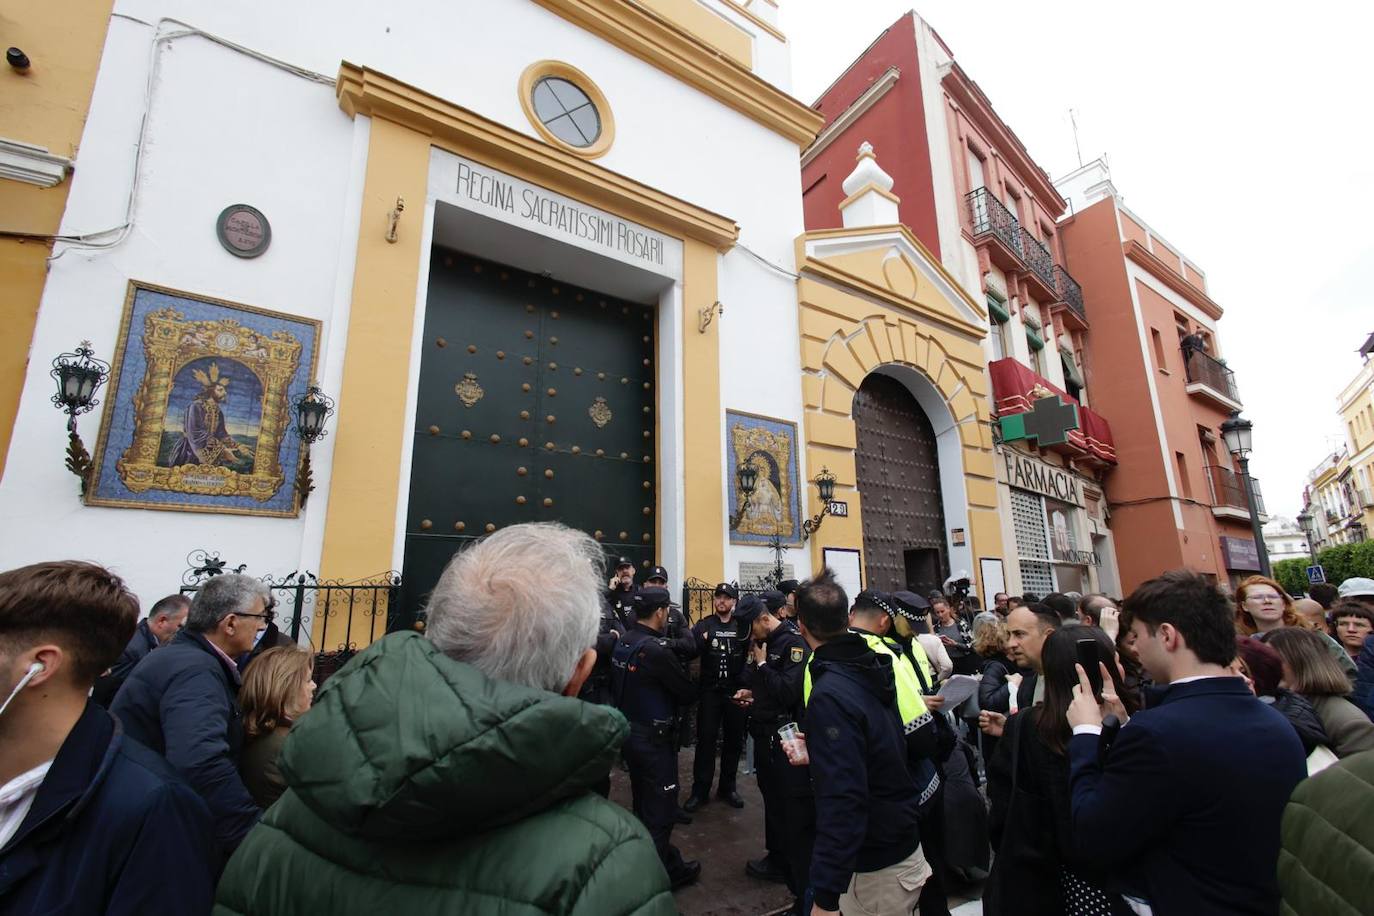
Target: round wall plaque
[243, 231]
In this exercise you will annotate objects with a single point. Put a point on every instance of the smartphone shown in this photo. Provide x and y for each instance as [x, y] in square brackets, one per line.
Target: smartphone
[1090, 657]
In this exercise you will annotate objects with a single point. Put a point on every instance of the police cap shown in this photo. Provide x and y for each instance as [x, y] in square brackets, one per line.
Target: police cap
[749, 607]
[657, 572]
[728, 590]
[773, 599]
[650, 599]
[622, 562]
[788, 586]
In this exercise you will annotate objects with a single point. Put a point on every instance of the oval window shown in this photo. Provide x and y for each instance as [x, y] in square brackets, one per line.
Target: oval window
[567, 111]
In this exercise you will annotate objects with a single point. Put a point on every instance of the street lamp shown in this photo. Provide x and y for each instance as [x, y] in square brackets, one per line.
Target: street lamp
[748, 477]
[78, 375]
[1305, 522]
[825, 485]
[312, 409]
[1237, 433]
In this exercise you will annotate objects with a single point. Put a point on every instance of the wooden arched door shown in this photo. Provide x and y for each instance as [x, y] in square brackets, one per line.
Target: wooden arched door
[898, 469]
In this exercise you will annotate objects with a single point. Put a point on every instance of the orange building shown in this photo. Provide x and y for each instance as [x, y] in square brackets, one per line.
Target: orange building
[1176, 498]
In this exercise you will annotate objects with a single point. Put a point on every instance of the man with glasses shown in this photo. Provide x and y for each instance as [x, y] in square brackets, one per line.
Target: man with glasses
[182, 701]
[268, 638]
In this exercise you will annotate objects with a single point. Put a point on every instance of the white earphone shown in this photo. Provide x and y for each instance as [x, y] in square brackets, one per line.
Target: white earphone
[23, 681]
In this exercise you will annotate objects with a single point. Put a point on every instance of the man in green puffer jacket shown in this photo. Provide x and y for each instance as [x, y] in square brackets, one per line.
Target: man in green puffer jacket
[1328, 842]
[446, 774]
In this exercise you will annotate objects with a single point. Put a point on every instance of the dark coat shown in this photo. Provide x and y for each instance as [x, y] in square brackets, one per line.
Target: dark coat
[499, 818]
[112, 830]
[1300, 714]
[259, 766]
[994, 693]
[272, 638]
[1363, 696]
[182, 702]
[1328, 840]
[1044, 776]
[1178, 788]
[141, 644]
[866, 800]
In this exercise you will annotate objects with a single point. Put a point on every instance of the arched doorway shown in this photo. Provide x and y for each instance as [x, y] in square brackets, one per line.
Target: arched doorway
[898, 469]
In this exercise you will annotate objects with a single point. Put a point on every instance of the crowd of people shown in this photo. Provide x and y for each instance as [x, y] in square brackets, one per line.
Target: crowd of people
[1184, 751]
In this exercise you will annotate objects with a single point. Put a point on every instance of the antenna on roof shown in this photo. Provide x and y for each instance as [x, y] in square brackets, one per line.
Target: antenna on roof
[1074, 121]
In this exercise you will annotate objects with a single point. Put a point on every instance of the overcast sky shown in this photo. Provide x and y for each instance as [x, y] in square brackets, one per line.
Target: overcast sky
[1240, 132]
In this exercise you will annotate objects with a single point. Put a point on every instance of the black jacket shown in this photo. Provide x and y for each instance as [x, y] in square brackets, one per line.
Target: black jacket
[141, 644]
[112, 831]
[723, 648]
[1178, 789]
[272, 638]
[866, 800]
[647, 680]
[777, 683]
[994, 693]
[182, 702]
[1302, 716]
[679, 635]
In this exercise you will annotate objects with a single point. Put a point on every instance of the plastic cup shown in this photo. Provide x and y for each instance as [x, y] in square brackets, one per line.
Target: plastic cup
[792, 745]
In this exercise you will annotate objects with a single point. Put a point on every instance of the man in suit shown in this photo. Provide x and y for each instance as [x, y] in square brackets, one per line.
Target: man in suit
[1185, 805]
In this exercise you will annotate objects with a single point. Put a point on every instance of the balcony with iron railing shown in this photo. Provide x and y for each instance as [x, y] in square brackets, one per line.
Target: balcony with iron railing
[1041, 264]
[1228, 494]
[1210, 379]
[993, 224]
[1068, 292]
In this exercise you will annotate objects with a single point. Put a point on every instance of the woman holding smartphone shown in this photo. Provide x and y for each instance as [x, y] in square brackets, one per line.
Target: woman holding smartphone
[1035, 871]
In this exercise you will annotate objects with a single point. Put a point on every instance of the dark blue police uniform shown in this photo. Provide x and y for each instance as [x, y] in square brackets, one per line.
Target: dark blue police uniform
[648, 682]
[724, 646]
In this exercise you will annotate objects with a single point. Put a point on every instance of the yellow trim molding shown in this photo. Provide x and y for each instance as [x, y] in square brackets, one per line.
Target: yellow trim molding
[362, 90]
[708, 25]
[757, 20]
[652, 38]
[559, 70]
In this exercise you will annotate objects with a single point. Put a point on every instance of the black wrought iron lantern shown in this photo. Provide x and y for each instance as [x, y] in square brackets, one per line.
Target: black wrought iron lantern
[825, 488]
[825, 483]
[312, 409]
[79, 376]
[747, 476]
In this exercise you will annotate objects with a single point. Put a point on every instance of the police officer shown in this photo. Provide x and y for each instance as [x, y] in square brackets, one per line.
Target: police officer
[789, 587]
[677, 632]
[723, 643]
[648, 682]
[620, 593]
[773, 679]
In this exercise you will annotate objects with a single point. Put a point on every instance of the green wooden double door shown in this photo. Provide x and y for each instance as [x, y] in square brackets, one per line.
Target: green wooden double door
[536, 404]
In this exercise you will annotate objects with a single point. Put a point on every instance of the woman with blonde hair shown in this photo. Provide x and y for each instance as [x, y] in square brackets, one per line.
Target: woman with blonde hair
[277, 690]
[1310, 671]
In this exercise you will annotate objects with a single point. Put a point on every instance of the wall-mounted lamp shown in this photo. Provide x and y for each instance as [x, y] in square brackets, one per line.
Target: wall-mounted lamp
[825, 484]
[79, 376]
[705, 315]
[312, 409]
[748, 477]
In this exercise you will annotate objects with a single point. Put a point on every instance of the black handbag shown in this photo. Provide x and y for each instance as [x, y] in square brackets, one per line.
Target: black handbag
[1025, 873]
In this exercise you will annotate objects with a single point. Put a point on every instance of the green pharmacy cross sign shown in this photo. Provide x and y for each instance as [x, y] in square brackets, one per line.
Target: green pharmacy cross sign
[1048, 422]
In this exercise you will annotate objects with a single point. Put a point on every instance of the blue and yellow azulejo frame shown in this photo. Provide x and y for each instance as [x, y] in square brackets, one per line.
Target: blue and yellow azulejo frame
[199, 413]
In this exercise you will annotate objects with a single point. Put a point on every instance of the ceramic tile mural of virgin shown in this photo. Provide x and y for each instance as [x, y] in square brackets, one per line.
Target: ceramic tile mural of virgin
[200, 416]
[771, 447]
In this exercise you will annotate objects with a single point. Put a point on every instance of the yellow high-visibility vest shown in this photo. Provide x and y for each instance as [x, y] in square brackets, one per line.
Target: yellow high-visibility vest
[911, 704]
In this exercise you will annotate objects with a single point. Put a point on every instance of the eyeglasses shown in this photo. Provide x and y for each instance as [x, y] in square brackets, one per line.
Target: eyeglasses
[268, 611]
